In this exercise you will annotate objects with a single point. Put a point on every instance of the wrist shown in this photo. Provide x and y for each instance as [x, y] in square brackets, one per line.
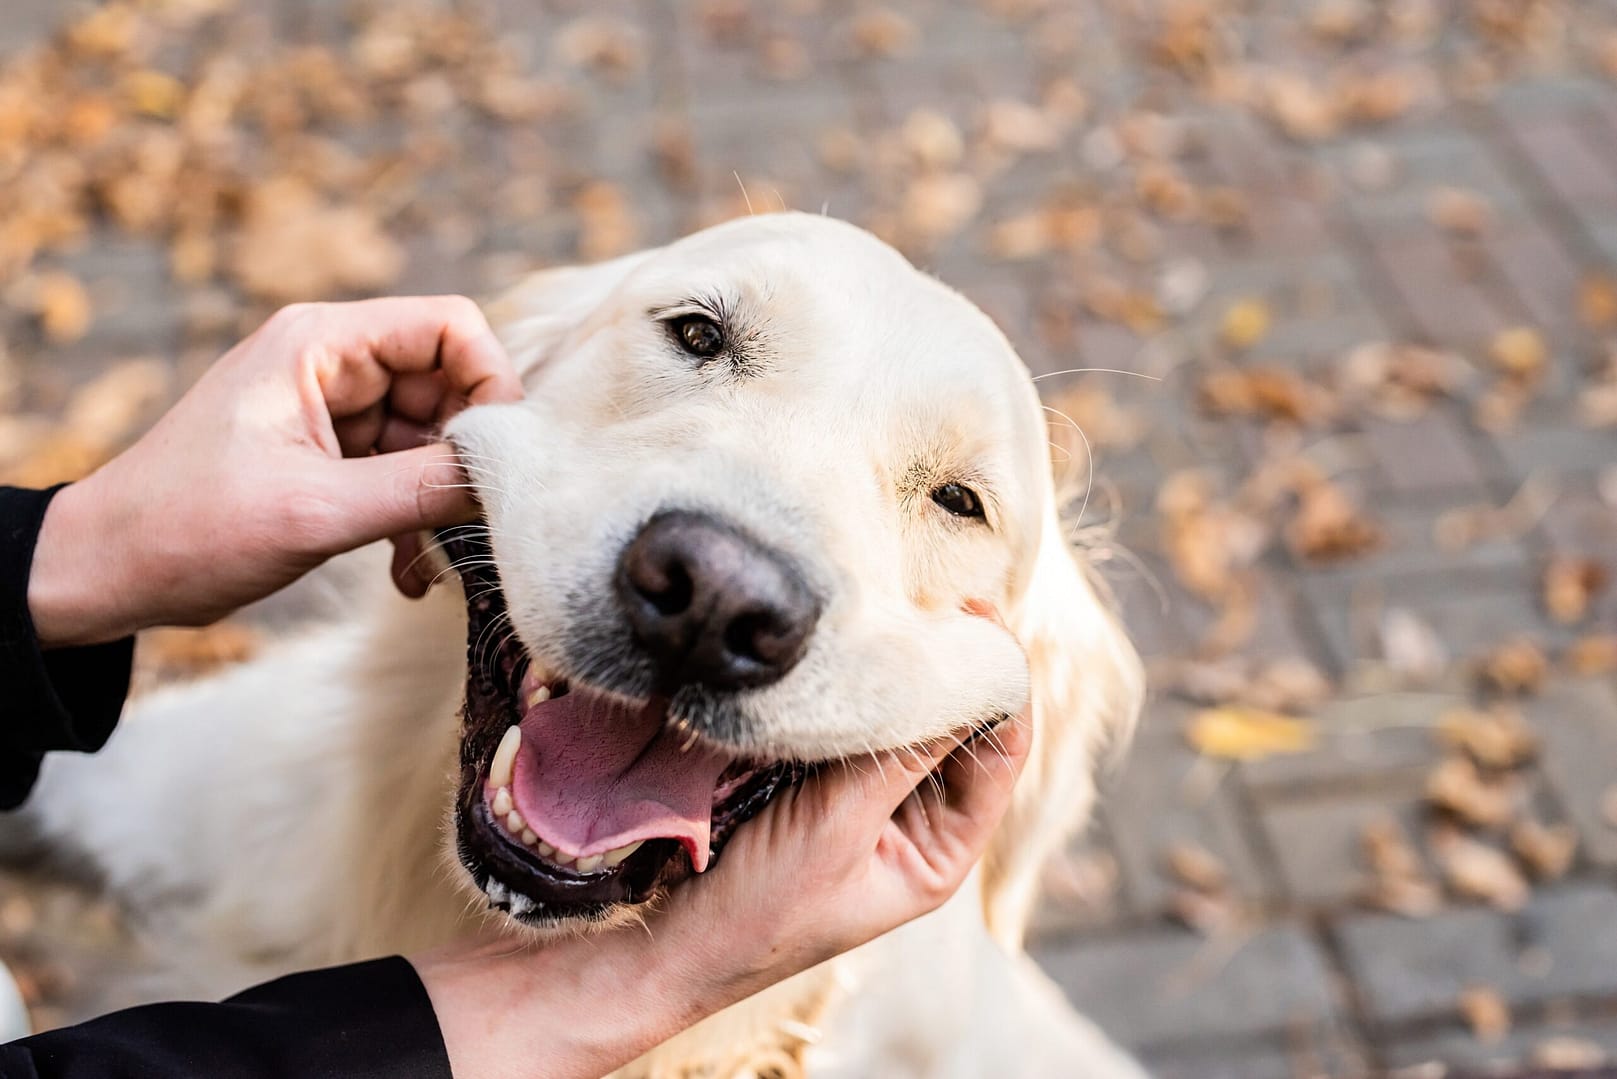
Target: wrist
[77, 593]
[575, 1009]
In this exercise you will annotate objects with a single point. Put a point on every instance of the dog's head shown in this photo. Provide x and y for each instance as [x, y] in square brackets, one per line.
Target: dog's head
[767, 492]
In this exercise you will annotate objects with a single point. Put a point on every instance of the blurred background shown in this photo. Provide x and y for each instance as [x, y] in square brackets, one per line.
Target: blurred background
[1342, 278]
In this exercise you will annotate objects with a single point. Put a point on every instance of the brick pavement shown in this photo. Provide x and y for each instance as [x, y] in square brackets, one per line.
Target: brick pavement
[798, 103]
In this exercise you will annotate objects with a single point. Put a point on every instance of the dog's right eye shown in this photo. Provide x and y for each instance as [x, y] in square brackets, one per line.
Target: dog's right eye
[698, 335]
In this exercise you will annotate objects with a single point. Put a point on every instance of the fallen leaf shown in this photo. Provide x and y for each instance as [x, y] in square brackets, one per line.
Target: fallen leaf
[1570, 586]
[1246, 734]
[1485, 1012]
[1547, 850]
[1271, 393]
[1474, 870]
[62, 306]
[1329, 527]
[1498, 738]
[1456, 787]
[1410, 646]
[1516, 667]
[1592, 655]
[1566, 1053]
[1520, 354]
[1194, 866]
[1244, 324]
[1209, 914]
[1597, 301]
[883, 33]
[1460, 212]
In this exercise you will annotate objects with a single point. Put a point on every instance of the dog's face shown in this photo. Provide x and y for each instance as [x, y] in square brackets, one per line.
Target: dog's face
[767, 495]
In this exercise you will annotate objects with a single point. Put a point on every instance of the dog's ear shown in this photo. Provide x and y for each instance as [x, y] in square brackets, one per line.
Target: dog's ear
[534, 316]
[1087, 687]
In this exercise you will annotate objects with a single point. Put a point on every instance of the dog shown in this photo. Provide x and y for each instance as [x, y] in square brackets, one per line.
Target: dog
[734, 528]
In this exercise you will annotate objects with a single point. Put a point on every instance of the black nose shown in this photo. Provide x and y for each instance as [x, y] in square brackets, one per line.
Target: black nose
[711, 606]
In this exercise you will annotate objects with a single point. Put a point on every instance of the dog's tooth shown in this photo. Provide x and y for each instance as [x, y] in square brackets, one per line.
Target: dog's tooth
[502, 802]
[590, 864]
[538, 695]
[546, 850]
[503, 769]
[615, 857]
[514, 823]
[529, 837]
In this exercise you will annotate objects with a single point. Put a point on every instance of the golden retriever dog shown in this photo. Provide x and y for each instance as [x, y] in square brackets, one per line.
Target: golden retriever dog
[734, 529]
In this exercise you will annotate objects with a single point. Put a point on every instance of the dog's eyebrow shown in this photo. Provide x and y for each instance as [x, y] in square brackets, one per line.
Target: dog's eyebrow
[746, 350]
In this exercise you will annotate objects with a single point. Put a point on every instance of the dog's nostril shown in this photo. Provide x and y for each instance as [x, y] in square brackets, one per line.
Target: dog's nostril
[669, 591]
[756, 637]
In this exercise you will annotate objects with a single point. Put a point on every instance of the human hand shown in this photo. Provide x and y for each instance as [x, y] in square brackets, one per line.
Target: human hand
[303, 441]
[858, 849]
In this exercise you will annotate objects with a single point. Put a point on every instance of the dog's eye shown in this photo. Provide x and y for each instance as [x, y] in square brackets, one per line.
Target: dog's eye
[958, 500]
[698, 335]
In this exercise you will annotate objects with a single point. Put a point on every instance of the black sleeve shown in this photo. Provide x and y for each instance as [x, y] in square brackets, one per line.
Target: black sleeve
[63, 698]
[367, 1020]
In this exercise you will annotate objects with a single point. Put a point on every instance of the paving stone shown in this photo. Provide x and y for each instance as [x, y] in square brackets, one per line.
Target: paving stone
[1302, 1055]
[1165, 793]
[1275, 980]
[1455, 1045]
[1381, 741]
[1578, 721]
[1560, 945]
[1560, 150]
[1318, 843]
[1447, 306]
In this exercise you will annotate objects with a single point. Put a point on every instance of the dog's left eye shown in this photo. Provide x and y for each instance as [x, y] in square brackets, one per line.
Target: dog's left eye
[698, 335]
[958, 500]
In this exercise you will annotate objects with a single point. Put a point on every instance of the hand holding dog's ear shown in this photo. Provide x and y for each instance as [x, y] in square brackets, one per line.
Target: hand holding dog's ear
[311, 437]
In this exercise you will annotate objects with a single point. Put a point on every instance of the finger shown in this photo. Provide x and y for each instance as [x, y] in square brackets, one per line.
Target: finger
[418, 395]
[408, 577]
[398, 434]
[360, 348]
[357, 434]
[389, 494]
[977, 778]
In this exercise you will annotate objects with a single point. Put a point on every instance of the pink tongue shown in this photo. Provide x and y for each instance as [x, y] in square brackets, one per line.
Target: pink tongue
[593, 774]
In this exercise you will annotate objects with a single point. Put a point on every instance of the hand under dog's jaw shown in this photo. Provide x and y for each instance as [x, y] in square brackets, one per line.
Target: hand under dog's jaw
[576, 803]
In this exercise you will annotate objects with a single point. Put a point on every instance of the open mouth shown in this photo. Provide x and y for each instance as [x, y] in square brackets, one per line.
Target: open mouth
[574, 800]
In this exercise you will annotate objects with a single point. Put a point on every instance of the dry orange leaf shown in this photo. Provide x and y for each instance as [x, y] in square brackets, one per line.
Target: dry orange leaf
[1485, 1012]
[1570, 585]
[1195, 866]
[1594, 654]
[1546, 849]
[62, 306]
[1597, 301]
[1520, 354]
[1245, 323]
[1456, 787]
[1516, 667]
[1459, 211]
[1329, 527]
[1475, 870]
[1498, 738]
[1245, 734]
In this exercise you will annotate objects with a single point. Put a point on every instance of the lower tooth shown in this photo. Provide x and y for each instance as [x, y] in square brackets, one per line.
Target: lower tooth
[502, 802]
[547, 850]
[590, 864]
[529, 837]
[514, 823]
[615, 857]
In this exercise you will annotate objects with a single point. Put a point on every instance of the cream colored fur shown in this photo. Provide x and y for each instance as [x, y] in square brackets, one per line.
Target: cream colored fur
[292, 811]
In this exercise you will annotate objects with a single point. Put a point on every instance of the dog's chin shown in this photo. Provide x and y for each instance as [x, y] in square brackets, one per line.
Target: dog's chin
[577, 804]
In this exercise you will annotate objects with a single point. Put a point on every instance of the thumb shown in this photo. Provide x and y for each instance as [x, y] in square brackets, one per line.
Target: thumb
[387, 494]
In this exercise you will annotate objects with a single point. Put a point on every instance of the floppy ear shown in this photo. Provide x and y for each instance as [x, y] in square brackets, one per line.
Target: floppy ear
[1087, 687]
[534, 316]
